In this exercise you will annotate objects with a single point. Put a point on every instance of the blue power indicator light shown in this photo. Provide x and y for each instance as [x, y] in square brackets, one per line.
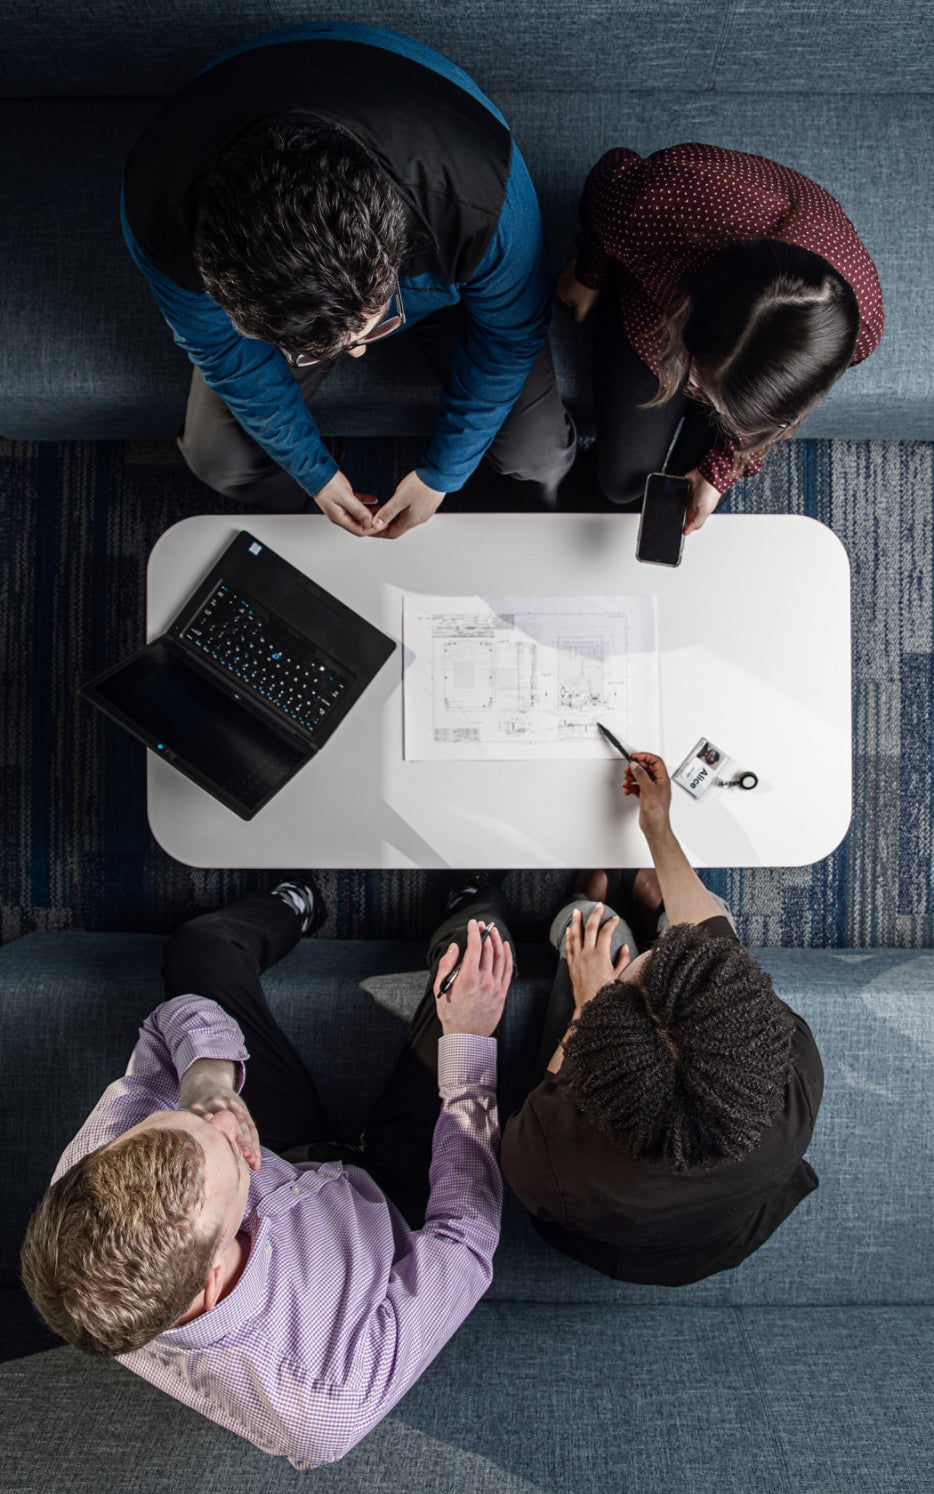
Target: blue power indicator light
[255, 548]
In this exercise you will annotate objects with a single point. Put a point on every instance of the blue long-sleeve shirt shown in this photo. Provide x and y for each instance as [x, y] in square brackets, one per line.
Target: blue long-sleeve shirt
[506, 300]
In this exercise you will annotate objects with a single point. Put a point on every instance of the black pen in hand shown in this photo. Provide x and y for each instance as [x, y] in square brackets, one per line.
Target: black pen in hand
[449, 980]
[614, 742]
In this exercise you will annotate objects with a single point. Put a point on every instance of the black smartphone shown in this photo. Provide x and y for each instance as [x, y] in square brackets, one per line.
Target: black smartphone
[664, 510]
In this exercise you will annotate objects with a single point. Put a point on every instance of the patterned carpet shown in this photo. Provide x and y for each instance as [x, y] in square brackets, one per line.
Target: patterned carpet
[78, 521]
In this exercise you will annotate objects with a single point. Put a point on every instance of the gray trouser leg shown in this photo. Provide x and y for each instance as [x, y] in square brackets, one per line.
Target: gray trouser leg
[537, 441]
[219, 451]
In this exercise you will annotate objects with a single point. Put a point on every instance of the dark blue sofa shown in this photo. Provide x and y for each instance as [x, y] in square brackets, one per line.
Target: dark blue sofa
[806, 1371]
[842, 92]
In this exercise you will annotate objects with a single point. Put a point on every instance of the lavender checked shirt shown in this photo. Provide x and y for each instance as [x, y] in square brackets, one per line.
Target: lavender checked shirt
[341, 1305]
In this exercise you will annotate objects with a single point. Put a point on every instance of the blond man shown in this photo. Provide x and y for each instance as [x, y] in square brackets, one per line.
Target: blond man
[293, 1302]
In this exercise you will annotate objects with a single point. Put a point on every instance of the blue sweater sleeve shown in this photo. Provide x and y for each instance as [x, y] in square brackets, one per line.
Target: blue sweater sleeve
[252, 378]
[508, 305]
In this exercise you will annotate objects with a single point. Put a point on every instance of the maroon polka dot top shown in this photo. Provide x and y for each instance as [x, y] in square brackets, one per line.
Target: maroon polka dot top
[661, 218]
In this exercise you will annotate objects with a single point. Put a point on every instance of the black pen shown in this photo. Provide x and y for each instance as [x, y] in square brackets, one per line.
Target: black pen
[449, 980]
[614, 743]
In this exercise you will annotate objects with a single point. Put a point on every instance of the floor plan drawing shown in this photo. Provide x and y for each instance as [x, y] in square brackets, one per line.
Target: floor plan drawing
[527, 677]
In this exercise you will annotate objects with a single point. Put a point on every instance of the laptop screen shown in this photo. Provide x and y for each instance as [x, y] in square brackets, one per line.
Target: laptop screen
[180, 713]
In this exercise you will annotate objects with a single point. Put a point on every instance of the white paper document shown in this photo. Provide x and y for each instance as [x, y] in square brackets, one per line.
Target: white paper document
[528, 677]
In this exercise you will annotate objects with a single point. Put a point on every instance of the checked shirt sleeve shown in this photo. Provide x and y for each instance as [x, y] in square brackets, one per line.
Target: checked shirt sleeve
[441, 1274]
[177, 1032]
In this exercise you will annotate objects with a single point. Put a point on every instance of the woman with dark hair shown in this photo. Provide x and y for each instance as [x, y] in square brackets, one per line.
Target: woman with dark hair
[665, 1139]
[730, 293]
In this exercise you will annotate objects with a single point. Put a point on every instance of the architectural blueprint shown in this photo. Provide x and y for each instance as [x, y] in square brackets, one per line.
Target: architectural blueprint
[528, 677]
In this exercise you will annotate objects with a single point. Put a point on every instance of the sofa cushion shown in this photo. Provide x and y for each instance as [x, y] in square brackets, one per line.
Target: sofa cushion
[533, 1400]
[728, 46]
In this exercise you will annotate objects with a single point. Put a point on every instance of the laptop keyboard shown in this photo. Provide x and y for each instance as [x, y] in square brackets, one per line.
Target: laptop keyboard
[302, 683]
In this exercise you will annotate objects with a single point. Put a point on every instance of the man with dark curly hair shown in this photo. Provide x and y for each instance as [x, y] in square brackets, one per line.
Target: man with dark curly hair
[665, 1140]
[310, 193]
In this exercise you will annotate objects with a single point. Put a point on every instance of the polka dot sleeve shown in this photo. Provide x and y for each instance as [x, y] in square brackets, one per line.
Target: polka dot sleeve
[656, 222]
[609, 192]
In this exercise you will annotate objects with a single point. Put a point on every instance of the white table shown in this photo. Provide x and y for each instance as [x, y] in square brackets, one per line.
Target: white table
[754, 638]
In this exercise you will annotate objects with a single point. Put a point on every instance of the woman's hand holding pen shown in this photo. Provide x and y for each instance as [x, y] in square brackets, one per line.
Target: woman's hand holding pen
[647, 777]
[475, 1001]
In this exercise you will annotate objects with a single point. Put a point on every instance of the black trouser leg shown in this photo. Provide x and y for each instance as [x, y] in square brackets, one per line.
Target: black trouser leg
[632, 441]
[398, 1138]
[221, 956]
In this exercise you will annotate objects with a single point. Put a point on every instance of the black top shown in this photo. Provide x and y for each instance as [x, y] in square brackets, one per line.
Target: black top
[636, 1220]
[447, 155]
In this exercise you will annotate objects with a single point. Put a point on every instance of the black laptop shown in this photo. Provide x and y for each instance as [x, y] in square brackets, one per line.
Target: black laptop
[247, 684]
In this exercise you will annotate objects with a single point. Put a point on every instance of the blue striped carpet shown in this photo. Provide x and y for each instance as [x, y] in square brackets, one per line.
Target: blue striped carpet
[78, 520]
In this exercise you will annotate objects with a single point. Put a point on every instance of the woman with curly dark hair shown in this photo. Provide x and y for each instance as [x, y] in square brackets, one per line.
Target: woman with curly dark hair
[666, 1138]
[731, 292]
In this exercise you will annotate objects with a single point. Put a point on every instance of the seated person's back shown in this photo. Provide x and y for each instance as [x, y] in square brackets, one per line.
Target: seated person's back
[666, 1139]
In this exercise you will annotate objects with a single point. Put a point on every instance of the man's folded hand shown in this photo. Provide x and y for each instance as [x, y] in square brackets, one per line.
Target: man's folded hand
[207, 1089]
[412, 503]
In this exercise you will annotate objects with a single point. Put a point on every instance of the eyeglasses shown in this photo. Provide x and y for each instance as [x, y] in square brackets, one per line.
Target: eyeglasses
[690, 389]
[390, 323]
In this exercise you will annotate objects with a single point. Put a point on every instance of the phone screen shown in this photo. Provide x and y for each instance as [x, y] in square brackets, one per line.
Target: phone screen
[661, 530]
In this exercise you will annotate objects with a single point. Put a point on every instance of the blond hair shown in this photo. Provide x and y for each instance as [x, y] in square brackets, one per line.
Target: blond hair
[114, 1255]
